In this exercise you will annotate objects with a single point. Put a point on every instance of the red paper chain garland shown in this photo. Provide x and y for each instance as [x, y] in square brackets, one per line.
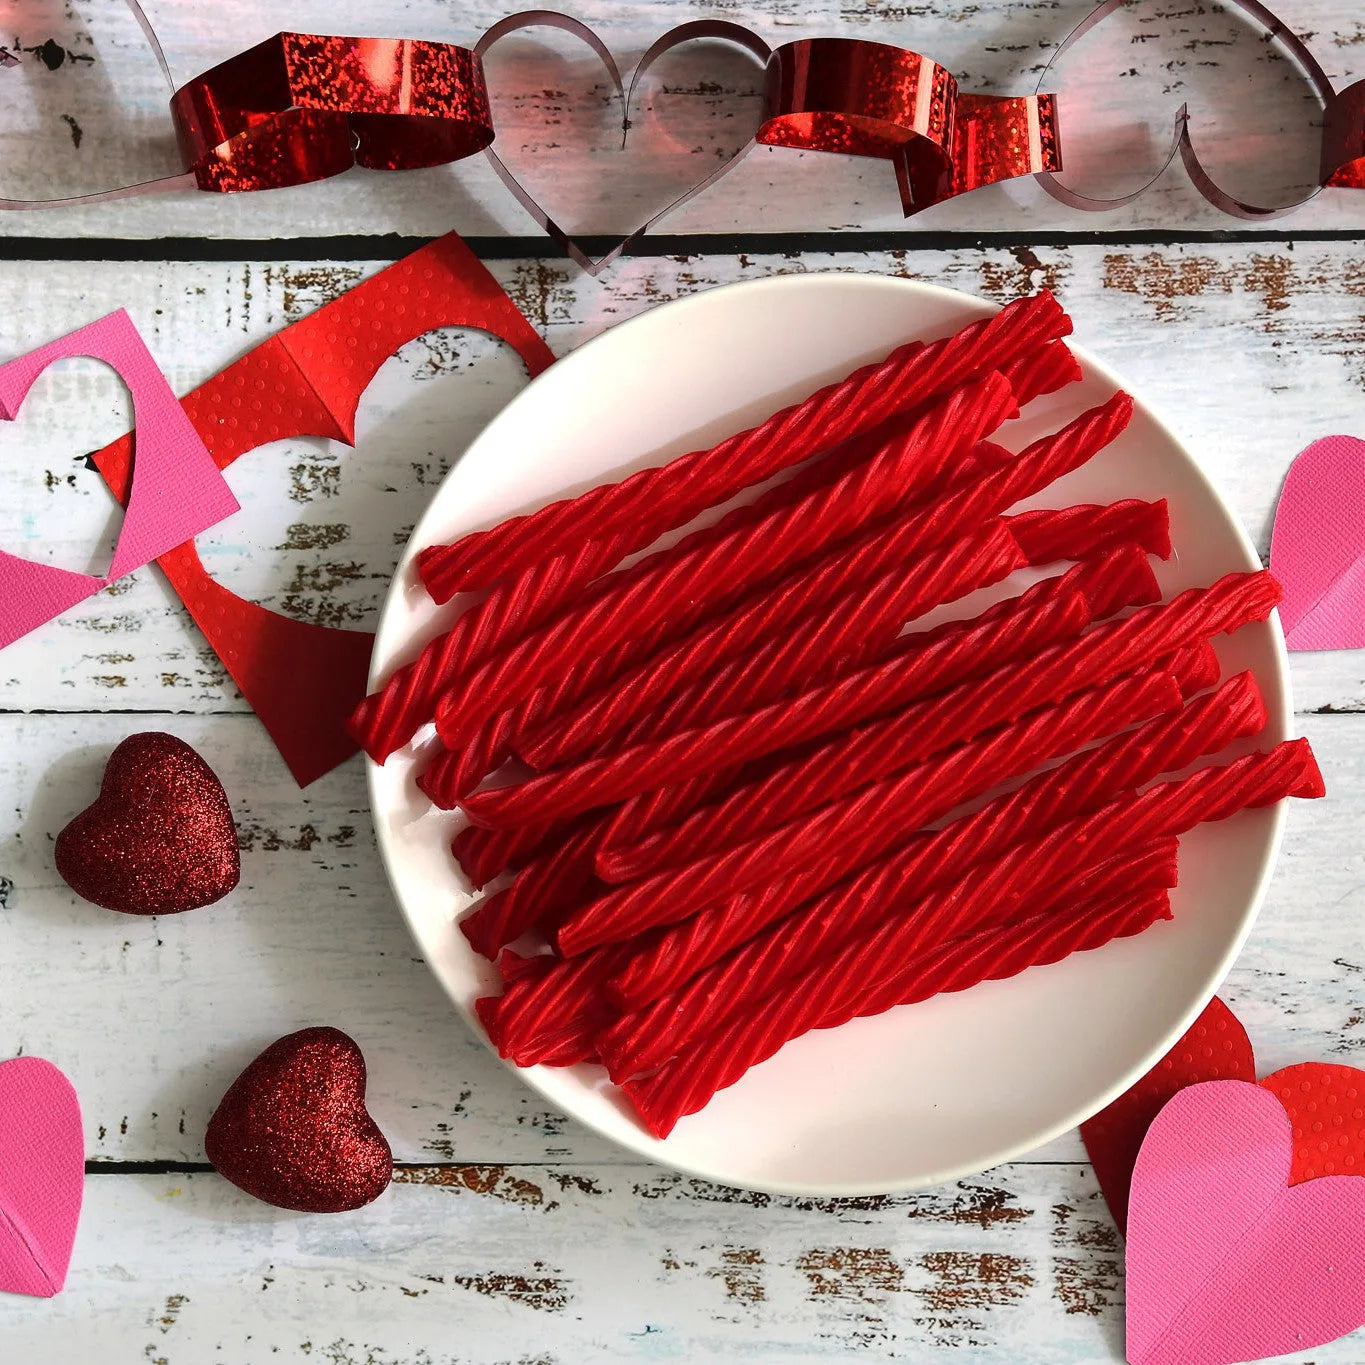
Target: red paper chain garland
[301, 107]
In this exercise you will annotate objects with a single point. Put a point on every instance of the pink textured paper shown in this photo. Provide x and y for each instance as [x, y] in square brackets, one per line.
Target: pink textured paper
[1226, 1262]
[1318, 547]
[177, 489]
[42, 1175]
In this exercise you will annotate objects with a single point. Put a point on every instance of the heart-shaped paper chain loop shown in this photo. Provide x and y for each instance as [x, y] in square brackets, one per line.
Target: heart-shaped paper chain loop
[1344, 123]
[301, 107]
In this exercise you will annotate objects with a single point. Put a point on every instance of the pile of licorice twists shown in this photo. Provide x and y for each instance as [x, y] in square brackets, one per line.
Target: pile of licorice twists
[729, 778]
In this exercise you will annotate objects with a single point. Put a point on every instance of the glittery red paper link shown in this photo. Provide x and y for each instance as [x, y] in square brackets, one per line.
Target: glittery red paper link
[301, 107]
[303, 680]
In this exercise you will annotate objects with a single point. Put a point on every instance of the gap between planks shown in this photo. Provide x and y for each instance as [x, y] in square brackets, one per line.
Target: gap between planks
[384, 246]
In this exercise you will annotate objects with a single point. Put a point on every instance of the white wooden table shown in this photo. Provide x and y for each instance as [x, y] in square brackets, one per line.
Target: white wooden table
[510, 1235]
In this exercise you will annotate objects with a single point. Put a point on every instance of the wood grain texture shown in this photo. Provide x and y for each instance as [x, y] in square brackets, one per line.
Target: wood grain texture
[512, 1235]
[1205, 333]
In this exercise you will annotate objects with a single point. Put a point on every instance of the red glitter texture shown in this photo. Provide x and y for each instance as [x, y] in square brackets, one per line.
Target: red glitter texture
[159, 839]
[293, 1129]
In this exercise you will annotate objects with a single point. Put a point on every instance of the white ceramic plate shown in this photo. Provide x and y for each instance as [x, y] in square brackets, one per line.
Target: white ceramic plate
[930, 1092]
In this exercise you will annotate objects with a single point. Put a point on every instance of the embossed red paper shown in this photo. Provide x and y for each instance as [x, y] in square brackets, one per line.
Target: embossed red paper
[301, 107]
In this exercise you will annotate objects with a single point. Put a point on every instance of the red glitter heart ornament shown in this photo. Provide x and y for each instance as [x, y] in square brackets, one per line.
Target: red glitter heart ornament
[158, 839]
[1325, 1102]
[293, 1129]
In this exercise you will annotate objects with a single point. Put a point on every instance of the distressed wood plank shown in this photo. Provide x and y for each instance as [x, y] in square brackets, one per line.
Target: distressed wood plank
[311, 937]
[458, 1266]
[99, 117]
[1206, 333]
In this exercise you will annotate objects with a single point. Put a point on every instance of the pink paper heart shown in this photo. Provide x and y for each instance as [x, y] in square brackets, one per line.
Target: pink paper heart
[1227, 1262]
[177, 490]
[1318, 547]
[42, 1176]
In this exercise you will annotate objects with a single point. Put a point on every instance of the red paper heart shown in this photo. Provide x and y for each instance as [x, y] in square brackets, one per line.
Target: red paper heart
[1215, 1048]
[1325, 1102]
[158, 839]
[293, 1129]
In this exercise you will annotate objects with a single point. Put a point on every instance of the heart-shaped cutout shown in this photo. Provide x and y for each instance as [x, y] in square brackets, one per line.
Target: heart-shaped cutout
[304, 680]
[63, 515]
[42, 1176]
[327, 523]
[1214, 1048]
[1317, 549]
[159, 839]
[1325, 1102]
[684, 33]
[293, 1129]
[1125, 63]
[176, 489]
[1226, 1261]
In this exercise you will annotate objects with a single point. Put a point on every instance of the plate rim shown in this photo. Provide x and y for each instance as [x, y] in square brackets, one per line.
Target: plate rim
[641, 1143]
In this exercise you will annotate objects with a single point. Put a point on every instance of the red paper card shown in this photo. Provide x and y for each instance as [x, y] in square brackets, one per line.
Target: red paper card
[304, 680]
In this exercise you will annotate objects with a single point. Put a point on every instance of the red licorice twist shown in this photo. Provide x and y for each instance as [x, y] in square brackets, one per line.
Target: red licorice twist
[535, 1010]
[822, 625]
[689, 1082]
[652, 501]
[683, 588]
[540, 888]
[729, 989]
[1105, 652]
[844, 834]
[833, 767]
[485, 853]
[594, 784]
[1087, 529]
[385, 721]
[929, 859]
[1120, 578]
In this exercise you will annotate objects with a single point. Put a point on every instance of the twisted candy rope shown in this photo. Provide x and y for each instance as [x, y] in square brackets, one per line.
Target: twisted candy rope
[535, 1010]
[1086, 529]
[386, 720]
[1043, 371]
[846, 832]
[841, 765]
[1043, 462]
[540, 888]
[1107, 651]
[1066, 855]
[1120, 578]
[485, 853]
[1078, 785]
[824, 622]
[647, 503]
[887, 687]
[850, 633]
[927, 862]
[689, 1082]
[682, 589]
[700, 1009]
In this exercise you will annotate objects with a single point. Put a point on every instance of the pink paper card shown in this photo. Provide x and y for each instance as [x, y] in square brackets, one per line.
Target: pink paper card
[177, 490]
[1226, 1261]
[1318, 547]
[42, 1176]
